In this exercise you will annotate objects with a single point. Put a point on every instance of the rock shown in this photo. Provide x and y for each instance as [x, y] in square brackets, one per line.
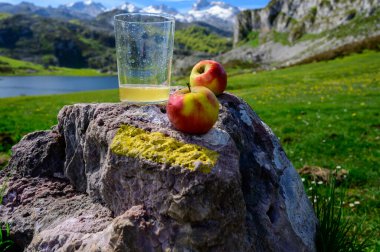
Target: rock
[291, 19]
[32, 205]
[39, 153]
[232, 189]
[289, 16]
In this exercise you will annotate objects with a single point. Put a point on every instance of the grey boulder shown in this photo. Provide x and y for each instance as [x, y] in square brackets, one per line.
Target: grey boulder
[112, 177]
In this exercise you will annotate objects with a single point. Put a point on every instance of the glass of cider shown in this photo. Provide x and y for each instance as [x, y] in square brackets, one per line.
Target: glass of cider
[144, 52]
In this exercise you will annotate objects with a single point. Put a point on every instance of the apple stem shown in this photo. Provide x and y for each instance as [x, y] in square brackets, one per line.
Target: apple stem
[188, 85]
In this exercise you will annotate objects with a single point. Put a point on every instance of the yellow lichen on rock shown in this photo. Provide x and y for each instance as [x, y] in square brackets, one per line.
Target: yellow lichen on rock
[155, 146]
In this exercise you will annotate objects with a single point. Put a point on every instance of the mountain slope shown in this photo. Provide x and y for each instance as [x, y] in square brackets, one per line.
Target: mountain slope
[298, 17]
[218, 14]
[27, 8]
[287, 32]
[52, 42]
[90, 44]
[14, 67]
[85, 7]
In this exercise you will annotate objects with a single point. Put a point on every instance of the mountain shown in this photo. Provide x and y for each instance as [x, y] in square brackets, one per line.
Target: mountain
[129, 7]
[298, 17]
[32, 9]
[218, 14]
[165, 9]
[23, 7]
[286, 32]
[50, 41]
[159, 9]
[87, 7]
[77, 10]
[91, 43]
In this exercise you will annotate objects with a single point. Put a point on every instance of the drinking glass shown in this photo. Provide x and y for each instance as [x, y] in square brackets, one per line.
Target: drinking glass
[144, 52]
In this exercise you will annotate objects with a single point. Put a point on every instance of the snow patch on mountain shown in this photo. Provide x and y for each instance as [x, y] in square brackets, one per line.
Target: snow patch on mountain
[129, 7]
[159, 9]
[218, 14]
[86, 7]
[215, 13]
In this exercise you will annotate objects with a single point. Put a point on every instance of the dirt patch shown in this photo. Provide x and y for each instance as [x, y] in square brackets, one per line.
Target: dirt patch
[322, 174]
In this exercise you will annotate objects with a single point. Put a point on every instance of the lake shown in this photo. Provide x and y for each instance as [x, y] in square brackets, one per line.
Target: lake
[42, 85]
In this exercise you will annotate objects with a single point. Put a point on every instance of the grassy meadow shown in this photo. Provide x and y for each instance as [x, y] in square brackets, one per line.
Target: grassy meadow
[326, 114]
[11, 67]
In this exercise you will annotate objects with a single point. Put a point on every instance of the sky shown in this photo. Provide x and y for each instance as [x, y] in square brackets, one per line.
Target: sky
[181, 5]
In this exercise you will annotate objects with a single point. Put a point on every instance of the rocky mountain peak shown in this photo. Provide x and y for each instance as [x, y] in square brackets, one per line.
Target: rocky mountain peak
[87, 6]
[129, 7]
[162, 8]
[218, 14]
[298, 17]
[200, 4]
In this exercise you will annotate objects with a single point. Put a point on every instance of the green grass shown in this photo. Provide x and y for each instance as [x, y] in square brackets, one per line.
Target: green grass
[325, 114]
[13, 67]
[4, 15]
[335, 232]
[253, 39]
[281, 37]
[200, 39]
[20, 115]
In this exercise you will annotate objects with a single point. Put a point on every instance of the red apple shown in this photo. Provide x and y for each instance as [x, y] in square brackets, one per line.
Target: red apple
[193, 110]
[210, 74]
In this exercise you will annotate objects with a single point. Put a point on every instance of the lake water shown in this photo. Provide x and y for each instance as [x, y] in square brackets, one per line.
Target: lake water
[41, 85]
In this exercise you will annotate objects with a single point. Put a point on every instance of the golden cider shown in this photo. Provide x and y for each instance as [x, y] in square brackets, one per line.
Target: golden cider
[142, 93]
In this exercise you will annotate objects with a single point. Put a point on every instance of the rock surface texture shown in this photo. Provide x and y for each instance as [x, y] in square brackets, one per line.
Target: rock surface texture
[312, 16]
[78, 187]
[325, 22]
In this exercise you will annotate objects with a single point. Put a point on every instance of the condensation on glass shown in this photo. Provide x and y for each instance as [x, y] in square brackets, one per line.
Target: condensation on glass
[144, 52]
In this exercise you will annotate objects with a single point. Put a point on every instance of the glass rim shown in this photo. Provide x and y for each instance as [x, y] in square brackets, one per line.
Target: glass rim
[169, 18]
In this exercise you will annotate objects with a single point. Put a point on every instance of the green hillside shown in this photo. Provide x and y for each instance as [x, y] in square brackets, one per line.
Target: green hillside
[325, 114]
[52, 42]
[79, 44]
[13, 67]
[195, 38]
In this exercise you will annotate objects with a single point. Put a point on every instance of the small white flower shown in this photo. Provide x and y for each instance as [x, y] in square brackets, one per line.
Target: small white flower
[338, 167]
[320, 182]
[351, 204]
[303, 179]
[313, 182]
[357, 202]
[310, 188]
